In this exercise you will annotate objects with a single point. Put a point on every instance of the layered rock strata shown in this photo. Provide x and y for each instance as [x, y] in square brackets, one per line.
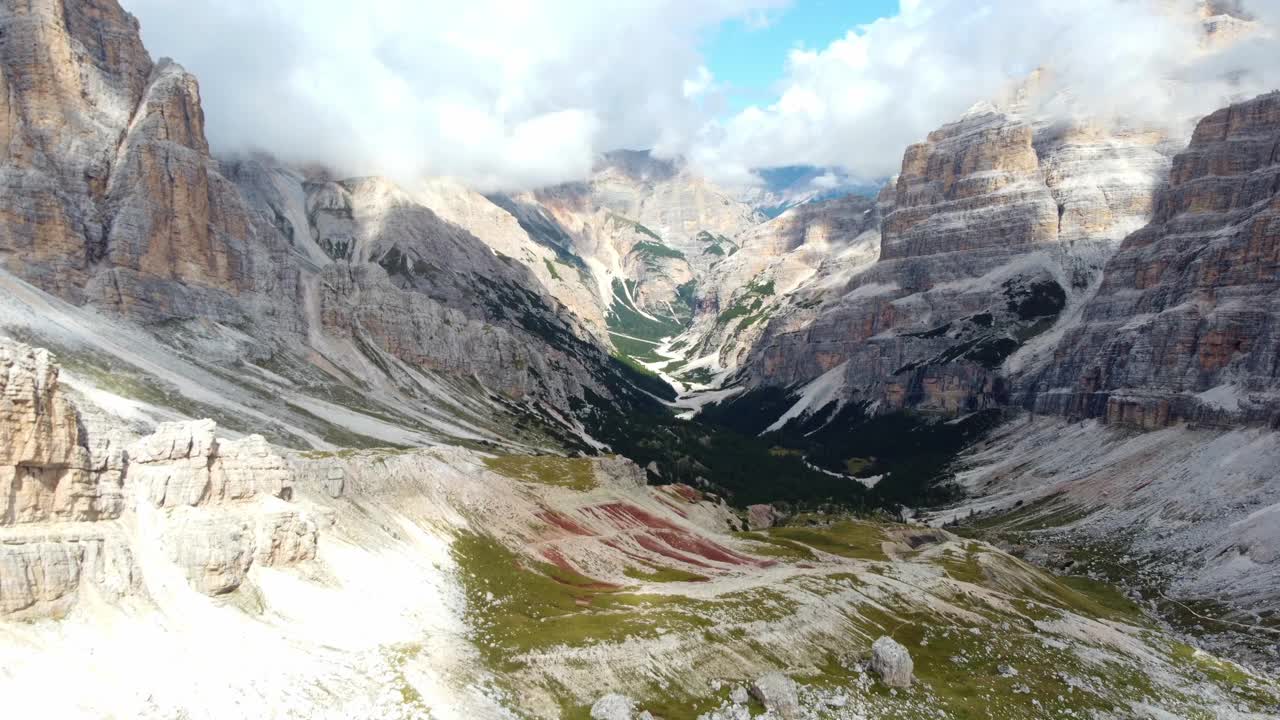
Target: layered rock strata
[996, 225]
[78, 512]
[1184, 325]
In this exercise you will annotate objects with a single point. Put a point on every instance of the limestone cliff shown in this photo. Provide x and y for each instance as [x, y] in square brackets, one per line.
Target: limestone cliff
[996, 224]
[111, 200]
[1184, 325]
[785, 268]
[79, 509]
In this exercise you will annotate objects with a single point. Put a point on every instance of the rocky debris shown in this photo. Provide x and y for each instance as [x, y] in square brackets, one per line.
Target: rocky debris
[613, 707]
[1007, 671]
[891, 661]
[739, 696]
[761, 517]
[778, 694]
[1184, 325]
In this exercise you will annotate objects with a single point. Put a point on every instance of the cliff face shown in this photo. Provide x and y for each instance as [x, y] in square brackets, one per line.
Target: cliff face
[997, 224]
[79, 508]
[1184, 325]
[109, 191]
[110, 199]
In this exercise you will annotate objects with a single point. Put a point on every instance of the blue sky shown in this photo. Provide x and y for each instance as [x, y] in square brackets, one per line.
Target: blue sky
[750, 60]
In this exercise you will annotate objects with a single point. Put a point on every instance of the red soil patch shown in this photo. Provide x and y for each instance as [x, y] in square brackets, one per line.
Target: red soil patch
[653, 545]
[629, 517]
[705, 548]
[564, 522]
[684, 491]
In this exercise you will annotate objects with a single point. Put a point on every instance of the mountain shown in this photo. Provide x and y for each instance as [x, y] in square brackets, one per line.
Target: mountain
[352, 292]
[1183, 326]
[998, 442]
[988, 235]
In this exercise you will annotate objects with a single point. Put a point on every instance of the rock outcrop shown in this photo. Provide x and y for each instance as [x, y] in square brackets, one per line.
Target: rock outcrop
[46, 472]
[110, 194]
[1184, 325]
[216, 506]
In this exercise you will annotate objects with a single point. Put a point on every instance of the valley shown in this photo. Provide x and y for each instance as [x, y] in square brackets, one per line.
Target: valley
[995, 437]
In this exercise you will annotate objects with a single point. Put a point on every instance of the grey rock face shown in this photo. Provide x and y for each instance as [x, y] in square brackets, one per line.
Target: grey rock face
[778, 693]
[990, 232]
[891, 661]
[785, 268]
[1184, 325]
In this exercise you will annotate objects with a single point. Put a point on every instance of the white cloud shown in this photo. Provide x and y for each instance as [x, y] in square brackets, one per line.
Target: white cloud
[508, 94]
[860, 101]
[499, 93]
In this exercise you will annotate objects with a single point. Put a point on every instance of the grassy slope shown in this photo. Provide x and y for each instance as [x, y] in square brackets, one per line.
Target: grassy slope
[995, 611]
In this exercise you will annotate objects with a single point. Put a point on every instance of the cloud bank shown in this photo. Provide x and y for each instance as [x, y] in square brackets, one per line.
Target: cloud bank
[508, 95]
[859, 102]
[499, 93]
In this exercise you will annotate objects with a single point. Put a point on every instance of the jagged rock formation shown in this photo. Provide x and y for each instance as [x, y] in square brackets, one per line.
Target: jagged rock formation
[110, 194]
[111, 199]
[997, 224]
[46, 472]
[1184, 325]
[217, 506]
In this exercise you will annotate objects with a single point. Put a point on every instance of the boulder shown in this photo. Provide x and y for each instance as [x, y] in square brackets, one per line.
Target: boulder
[761, 517]
[778, 694]
[891, 661]
[613, 707]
